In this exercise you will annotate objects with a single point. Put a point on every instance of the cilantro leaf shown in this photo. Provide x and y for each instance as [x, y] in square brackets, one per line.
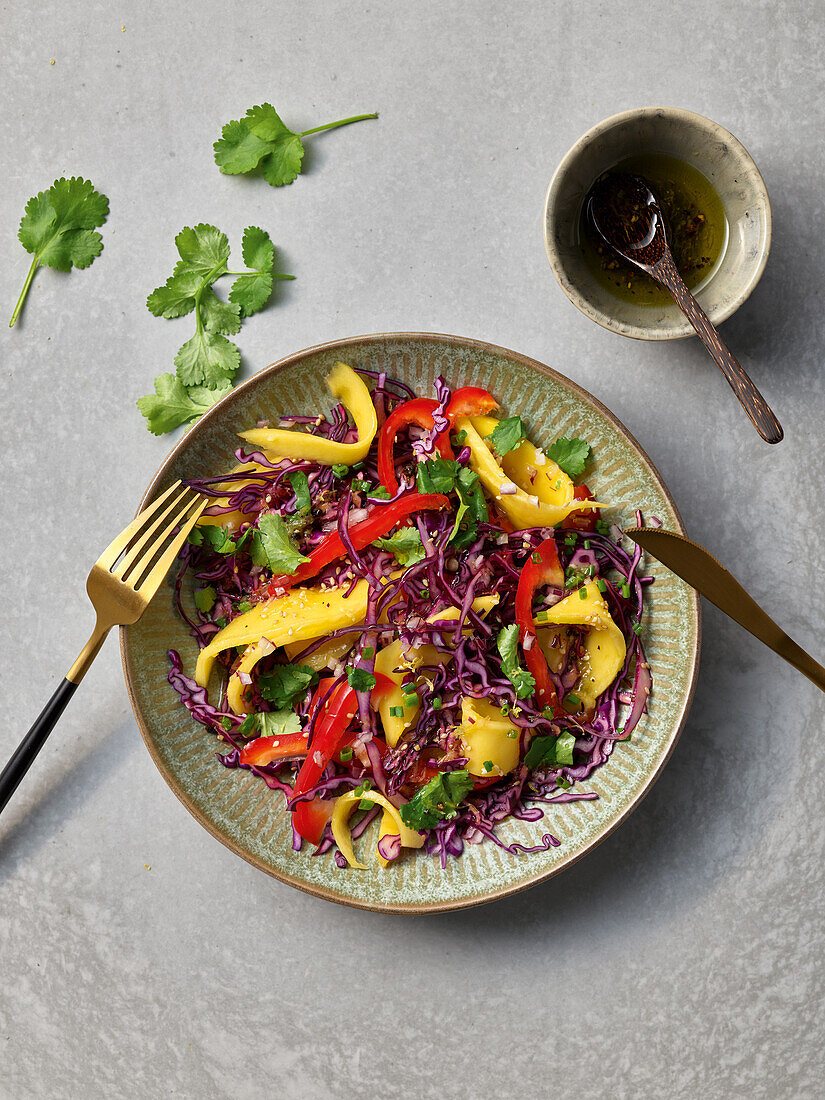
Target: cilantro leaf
[263, 141]
[550, 751]
[570, 454]
[360, 679]
[437, 475]
[208, 359]
[283, 684]
[438, 800]
[278, 723]
[507, 435]
[213, 537]
[300, 487]
[238, 150]
[272, 545]
[257, 249]
[404, 544]
[217, 315]
[205, 598]
[172, 405]
[58, 227]
[519, 677]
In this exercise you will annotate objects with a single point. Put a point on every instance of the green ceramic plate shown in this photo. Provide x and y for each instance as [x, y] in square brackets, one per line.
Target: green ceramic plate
[249, 818]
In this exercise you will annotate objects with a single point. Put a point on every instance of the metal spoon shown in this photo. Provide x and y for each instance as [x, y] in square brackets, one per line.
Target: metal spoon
[626, 214]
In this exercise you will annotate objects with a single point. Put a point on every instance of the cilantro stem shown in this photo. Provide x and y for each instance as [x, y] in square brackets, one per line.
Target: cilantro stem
[24, 291]
[334, 125]
[275, 274]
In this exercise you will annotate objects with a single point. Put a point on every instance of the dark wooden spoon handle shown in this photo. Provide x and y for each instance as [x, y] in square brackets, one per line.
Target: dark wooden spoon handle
[752, 401]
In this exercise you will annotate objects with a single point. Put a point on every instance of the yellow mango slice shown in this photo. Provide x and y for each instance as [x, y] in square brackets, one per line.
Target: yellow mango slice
[344, 807]
[391, 657]
[348, 388]
[388, 827]
[605, 647]
[530, 468]
[300, 615]
[325, 655]
[487, 736]
[523, 509]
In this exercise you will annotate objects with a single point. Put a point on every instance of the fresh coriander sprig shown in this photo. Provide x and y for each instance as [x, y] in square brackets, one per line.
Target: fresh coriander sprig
[58, 227]
[262, 141]
[207, 363]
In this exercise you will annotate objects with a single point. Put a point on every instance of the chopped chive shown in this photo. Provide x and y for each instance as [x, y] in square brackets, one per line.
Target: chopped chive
[586, 544]
[366, 804]
[488, 765]
[367, 784]
[368, 651]
[565, 784]
[600, 584]
[582, 593]
[460, 438]
[358, 466]
[547, 713]
[397, 712]
[512, 734]
[505, 709]
[636, 627]
[536, 559]
[626, 590]
[541, 617]
[346, 754]
[359, 790]
[571, 702]
[226, 723]
[424, 593]
[436, 702]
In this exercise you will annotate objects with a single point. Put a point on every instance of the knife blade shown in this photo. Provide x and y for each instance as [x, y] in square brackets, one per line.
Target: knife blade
[702, 571]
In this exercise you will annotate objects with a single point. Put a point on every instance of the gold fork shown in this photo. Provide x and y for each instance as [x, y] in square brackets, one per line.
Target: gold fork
[122, 582]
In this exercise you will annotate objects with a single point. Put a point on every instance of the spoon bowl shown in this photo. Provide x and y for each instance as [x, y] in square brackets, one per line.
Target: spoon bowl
[628, 217]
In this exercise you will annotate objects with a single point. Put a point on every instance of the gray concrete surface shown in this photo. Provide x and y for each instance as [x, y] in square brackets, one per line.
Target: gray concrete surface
[138, 958]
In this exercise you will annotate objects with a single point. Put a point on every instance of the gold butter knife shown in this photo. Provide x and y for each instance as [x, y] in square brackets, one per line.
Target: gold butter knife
[703, 572]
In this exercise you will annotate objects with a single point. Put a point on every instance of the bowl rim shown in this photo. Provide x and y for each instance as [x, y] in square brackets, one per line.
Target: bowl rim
[683, 329]
[322, 891]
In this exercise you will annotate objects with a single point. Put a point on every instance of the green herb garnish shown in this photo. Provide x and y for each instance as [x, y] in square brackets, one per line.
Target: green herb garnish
[360, 679]
[438, 800]
[58, 228]
[205, 598]
[570, 454]
[550, 751]
[273, 546]
[405, 544]
[208, 361]
[519, 677]
[507, 435]
[262, 142]
[284, 684]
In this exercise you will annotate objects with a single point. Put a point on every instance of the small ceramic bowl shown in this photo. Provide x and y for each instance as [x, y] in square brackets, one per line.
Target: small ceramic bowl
[688, 137]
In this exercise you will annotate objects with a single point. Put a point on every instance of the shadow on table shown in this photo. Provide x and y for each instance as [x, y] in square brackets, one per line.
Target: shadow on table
[62, 782]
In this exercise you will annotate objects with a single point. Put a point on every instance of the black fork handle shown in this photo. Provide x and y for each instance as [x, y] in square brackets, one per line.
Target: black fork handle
[34, 741]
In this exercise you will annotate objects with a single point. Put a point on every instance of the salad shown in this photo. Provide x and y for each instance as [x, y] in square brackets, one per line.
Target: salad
[409, 613]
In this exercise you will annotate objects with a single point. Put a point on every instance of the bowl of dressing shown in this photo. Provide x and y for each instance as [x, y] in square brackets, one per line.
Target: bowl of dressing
[715, 203]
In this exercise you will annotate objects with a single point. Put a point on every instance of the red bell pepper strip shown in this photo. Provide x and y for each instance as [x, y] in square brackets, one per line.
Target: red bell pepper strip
[582, 521]
[470, 401]
[331, 725]
[379, 522]
[417, 411]
[263, 750]
[542, 567]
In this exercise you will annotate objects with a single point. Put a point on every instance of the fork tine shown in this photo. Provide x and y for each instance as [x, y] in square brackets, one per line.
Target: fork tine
[150, 584]
[116, 547]
[136, 550]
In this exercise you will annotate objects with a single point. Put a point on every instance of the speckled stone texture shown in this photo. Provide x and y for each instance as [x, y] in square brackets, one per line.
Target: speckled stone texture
[138, 958]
